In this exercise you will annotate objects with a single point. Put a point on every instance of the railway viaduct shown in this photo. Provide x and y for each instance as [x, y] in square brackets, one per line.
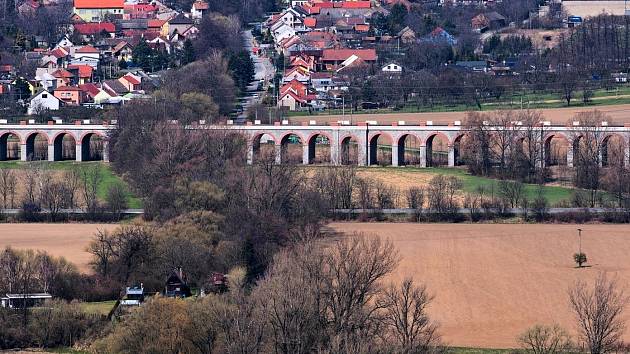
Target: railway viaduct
[365, 136]
[55, 141]
[31, 141]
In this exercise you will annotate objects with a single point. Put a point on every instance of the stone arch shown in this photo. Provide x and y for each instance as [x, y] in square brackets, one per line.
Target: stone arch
[10, 149]
[260, 149]
[292, 148]
[437, 157]
[92, 146]
[349, 146]
[385, 157]
[64, 148]
[557, 150]
[37, 146]
[410, 150]
[457, 147]
[323, 156]
[613, 150]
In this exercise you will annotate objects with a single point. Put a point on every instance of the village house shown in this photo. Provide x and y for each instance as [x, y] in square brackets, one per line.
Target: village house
[98, 10]
[179, 24]
[42, 101]
[487, 21]
[89, 30]
[198, 9]
[18, 301]
[70, 95]
[87, 55]
[176, 285]
[392, 68]
[332, 59]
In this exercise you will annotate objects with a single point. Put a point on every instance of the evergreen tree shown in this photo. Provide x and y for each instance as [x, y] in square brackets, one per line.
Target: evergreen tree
[189, 54]
[242, 68]
[142, 55]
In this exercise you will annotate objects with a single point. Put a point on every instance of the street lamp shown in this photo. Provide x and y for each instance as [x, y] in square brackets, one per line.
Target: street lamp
[580, 241]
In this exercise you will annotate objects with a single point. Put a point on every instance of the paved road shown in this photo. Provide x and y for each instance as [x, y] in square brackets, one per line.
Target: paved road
[264, 71]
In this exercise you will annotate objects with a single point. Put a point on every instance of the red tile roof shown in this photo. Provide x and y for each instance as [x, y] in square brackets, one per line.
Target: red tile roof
[94, 27]
[343, 54]
[310, 22]
[99, 4]
[155, 23]
[62, 73]
[131, 79]
[87, 49]
[356, 5]
[90, 89]
[85, 71]
[201, 5]
[67, 88]
[59, 53]
[361, 28]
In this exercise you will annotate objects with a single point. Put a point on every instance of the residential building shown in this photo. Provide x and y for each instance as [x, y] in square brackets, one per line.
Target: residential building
[42, 101]
[98, 10]
[392, 68]
[87, 55]
[176, 285]
[198, 9]
[70, 95]
[17, 301]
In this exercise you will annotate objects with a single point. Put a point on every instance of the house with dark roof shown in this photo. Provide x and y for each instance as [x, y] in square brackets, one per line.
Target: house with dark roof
[488, 21]
[176, 285]
[179, 24]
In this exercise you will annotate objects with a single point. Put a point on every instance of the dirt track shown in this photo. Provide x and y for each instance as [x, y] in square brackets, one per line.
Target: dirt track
[618, 114]
[491, 282]
[66, 240]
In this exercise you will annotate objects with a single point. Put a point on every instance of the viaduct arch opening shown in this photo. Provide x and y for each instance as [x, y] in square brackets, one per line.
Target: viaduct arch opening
[437, 150]
[291, 149]
[10, 147]
[410, 150]
[380, 150]
[319, 149]
[37, 147]
[64, 147]
[92, 146]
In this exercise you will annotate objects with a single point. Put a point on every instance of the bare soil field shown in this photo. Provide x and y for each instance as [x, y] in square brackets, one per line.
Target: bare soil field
[618, 114]
[594, 8]
[61, 240]
[491, 282]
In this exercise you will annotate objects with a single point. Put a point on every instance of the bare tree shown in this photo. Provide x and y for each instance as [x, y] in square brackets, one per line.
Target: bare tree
[54, 197]
[91, 178]
[589, 139]
[512, 192]
[545, 340]
[598, 311]
[405, 315]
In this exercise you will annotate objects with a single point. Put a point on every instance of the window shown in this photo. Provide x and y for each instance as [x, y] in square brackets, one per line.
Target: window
[44, 95]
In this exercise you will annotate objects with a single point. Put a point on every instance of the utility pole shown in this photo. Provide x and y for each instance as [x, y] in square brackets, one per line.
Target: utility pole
[579, 241]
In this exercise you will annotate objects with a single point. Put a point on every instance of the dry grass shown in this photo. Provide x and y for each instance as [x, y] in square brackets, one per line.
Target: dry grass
[491, 282]
[61, 240]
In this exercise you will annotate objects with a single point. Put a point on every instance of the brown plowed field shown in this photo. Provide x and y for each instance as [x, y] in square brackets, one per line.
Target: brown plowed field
[491, 282]
[61, 240]
[618, 114]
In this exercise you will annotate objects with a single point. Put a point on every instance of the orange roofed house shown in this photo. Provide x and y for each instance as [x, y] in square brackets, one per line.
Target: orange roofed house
[96, 10]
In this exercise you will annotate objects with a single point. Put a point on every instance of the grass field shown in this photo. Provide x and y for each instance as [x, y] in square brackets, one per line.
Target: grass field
[109, 178]
[98, 308]
[404, 178]
[493, 281]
